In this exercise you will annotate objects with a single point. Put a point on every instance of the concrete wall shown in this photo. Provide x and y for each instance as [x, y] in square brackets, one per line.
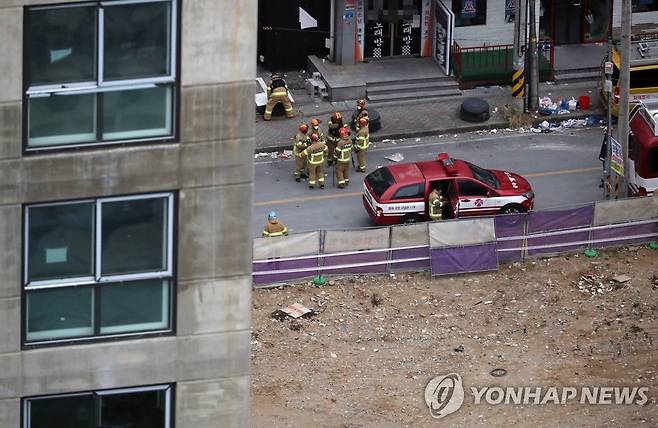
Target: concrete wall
[644, 21]
[211, 166]
[495, 32]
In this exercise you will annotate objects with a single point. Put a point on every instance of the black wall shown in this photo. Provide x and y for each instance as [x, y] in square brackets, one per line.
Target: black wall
[286, 46]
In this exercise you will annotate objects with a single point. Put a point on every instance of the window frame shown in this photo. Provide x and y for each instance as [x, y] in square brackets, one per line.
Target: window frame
[101, 86]
[98, 394]
[98, 281]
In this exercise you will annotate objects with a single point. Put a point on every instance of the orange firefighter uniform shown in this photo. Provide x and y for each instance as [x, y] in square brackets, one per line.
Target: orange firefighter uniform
[315, 157]
[343, 154]
[274, 228]
[302, 141]
[361, 144]
[277, 92]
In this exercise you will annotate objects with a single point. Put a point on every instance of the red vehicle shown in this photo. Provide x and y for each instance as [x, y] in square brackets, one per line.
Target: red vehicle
[399, 193]
[643, 153]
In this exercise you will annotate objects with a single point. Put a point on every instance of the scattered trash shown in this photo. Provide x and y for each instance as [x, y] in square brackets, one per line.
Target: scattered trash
[621, 278]
[260, 155]
[417, 140]
[488, 302]
[498, 372]
[395, 157]
[296, 310]
[332, 355]
[460, 348]
[286, 154]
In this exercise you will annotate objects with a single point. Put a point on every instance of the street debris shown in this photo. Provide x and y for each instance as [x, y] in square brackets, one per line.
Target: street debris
[498, 372]
[460, 348]
[395, 157]
[621, 278]
[296, 310]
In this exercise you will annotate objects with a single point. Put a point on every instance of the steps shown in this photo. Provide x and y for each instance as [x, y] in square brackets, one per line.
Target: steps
[412, 89]
[578, 75]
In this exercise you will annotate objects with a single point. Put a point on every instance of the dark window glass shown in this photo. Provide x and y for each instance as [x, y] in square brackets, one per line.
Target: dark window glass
[644, 5]
[412, 191]
[61, 45]
[134, 306]
[137, 40]
[140, 113]
[652, 161]
[59, 313]
[75, 411]
[60, 241]
[471, 188]
[134, 236]
[483, 175]
[644, 78]
[380, 180]
[469, 12]
[61, 119]
[138, 409]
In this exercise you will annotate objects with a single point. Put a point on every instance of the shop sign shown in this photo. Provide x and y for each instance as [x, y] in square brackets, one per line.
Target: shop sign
[468, 9]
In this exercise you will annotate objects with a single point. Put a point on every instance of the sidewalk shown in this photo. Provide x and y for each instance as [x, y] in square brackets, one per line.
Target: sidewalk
[415, 119]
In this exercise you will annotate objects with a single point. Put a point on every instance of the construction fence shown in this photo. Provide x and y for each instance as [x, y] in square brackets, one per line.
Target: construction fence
[455, 246]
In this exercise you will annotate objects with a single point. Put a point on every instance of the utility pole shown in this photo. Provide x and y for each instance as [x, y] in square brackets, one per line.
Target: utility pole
[518, 73]
[624, 89]
[607, 172]
[533, 87]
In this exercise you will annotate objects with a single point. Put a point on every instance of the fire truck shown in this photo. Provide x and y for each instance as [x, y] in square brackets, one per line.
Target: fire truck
[643, 150]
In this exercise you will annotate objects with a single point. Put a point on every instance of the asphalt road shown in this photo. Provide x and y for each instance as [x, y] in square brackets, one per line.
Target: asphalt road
[562, 167]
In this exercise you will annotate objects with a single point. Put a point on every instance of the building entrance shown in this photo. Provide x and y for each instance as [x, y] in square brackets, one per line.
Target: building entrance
[392, 28]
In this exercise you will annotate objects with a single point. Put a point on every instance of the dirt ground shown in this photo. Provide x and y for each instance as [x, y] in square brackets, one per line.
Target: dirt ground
[365, 358]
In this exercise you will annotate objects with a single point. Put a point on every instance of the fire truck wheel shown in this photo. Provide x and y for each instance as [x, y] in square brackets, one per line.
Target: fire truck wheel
[411, 219]
[512, 209]
[374, 119]
[474, 110]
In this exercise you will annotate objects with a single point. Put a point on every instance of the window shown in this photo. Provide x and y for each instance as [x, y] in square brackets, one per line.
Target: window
[412, 191]
[471, 188]
[484, 175]
[100, 72]
[147, 407]
[652, 158]
[98, 267]
[469, 12]
[644, 5]
[380, 180]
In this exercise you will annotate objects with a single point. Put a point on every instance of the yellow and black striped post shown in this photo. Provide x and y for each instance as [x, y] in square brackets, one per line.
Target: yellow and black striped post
[518, 83]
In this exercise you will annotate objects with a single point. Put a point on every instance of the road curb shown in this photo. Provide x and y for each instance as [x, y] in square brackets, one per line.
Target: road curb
[485, 126]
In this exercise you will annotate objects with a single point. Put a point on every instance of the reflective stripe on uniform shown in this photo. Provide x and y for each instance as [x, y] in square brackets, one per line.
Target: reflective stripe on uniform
[345, 153]
[362, 142]
[316, 158]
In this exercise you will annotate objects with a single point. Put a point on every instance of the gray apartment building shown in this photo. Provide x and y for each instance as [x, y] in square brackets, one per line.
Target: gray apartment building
[126, 153]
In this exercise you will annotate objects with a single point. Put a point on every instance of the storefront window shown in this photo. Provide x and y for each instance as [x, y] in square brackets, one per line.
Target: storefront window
[597, 20]
[469, 12]
[645, 6]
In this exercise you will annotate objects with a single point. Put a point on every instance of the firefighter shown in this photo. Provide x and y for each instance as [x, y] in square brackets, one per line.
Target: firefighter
[315, 158]
[343, 153]
[302, 141]
[361, 112]
[315, 129]
[335, 124]
[361, 143]
[277, 92]
[435, 204]
[274, 227]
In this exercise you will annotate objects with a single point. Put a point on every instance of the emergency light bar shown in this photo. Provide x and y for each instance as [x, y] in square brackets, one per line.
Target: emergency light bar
[448, 164]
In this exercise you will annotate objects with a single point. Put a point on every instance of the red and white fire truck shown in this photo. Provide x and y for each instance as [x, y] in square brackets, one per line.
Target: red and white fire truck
[399, 193]
[643, 151]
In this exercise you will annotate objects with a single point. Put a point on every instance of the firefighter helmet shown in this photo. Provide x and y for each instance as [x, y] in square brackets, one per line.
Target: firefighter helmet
[272, 215]
[343, 132]
[315, 137]
[315, 122]
[303, 128]
[336, 116]
[363, 121]
[361, 103]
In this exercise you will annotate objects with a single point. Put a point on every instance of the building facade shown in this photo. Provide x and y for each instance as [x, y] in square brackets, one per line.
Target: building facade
[126, 169]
